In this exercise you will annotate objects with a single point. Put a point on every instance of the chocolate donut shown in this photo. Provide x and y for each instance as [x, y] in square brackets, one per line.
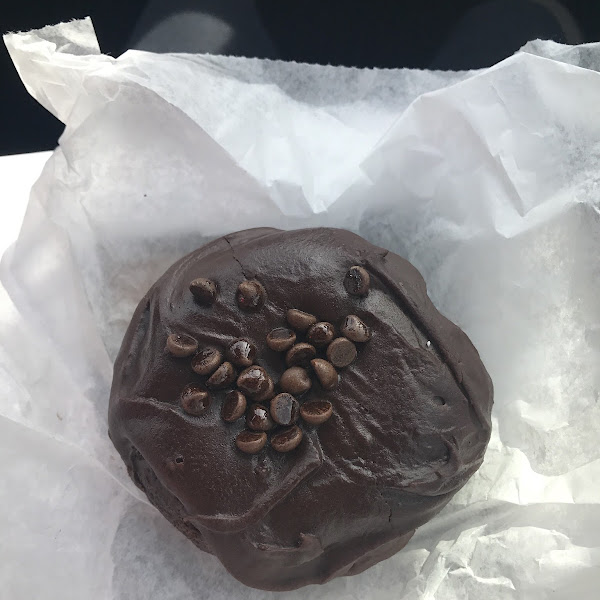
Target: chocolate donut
[383, 415]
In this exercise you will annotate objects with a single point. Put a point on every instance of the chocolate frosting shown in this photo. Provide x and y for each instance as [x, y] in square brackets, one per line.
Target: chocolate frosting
[410, 423]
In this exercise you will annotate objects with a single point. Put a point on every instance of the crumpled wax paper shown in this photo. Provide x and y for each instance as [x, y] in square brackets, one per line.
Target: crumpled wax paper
[487, 181]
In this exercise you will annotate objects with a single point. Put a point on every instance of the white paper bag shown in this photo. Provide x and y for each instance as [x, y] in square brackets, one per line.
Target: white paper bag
[487, 181]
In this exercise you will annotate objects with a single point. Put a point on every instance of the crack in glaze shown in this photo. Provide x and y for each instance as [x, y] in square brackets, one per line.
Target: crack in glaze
[235, 257]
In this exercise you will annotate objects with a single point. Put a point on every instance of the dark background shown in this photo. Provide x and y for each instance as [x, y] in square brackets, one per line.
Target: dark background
[446, 34]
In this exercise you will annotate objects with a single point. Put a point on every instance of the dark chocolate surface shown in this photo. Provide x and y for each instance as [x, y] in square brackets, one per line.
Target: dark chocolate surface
[410, 422]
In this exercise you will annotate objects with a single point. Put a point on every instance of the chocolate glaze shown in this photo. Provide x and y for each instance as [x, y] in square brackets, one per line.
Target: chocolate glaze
[353, 492]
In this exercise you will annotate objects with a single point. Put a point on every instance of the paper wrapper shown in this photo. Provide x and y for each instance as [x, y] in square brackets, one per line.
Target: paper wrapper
[487, 181]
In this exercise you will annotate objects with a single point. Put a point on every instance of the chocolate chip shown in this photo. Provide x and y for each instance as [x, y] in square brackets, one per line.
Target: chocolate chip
[206, 361]
[204, 290]
[320, 334]
[222, 377]
[234, 406]
[295, 380]
[241, 353]
[251, 442]
[180, 345]
[259, 418]
[285, 409]
[316, 412]
[357, 281]
[355, 329]
[254, 380]
[326, 373]
[194, 400]
[300, 320]
[287, 440]
[300, 354]
[281, 339]
[251, 295]
[341, 352]
[268, 393]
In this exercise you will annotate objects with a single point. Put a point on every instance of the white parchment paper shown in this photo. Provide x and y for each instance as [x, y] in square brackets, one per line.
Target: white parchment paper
[487, 181]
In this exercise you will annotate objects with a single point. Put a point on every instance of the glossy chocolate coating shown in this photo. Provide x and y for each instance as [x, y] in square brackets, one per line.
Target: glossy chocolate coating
[355, 489]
